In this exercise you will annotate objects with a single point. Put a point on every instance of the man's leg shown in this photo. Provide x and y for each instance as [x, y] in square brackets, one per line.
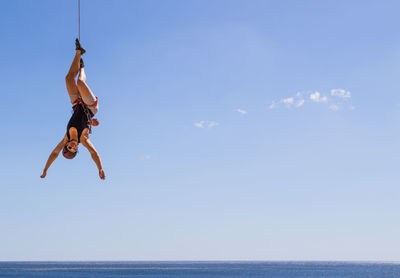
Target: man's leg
[72, 87]
[84, 89]
[88, 97]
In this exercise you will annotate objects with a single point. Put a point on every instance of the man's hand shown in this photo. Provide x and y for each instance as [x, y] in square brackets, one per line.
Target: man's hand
[102, 175]
[44, 174]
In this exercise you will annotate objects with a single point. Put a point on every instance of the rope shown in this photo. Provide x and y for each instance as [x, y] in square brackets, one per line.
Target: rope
[79, 19]
[88, 115]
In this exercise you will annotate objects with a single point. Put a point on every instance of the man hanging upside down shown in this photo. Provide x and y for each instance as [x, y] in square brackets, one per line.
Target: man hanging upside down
[85, 106]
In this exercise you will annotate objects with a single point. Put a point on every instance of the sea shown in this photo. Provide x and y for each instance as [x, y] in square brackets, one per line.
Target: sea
[233, 269]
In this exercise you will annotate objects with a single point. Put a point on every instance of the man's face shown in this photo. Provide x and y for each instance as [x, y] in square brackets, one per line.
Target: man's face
[72, 146]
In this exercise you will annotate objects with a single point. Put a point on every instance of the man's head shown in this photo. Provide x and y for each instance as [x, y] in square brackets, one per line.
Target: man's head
[70, 149]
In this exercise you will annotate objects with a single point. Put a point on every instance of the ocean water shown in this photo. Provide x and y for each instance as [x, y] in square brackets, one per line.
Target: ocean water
[199, 269]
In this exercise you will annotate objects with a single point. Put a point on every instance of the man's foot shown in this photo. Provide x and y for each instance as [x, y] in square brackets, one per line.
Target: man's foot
[82, 65]
[79, 47]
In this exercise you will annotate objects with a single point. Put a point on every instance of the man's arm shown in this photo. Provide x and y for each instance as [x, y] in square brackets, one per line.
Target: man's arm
[53, 156]
[95, 157]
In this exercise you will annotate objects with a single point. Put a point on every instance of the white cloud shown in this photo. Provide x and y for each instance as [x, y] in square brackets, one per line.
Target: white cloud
[199, 124]
[334, 107]
[341, 93]
[207, 124]
[300, 103]
[146, 157]
[212, 124]
[273, 105]
[241, 111]
[289, 101]
[338, 99]
[316, 97]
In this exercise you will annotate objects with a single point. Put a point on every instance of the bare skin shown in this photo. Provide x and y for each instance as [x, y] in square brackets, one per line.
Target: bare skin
[80, 88]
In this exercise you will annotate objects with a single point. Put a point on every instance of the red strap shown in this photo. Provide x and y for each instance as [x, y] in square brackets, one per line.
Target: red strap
[77, 101]
[80, 101]
[95, 103]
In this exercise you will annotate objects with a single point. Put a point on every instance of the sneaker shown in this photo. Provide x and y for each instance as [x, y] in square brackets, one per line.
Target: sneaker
[82, 65]
[79, 47]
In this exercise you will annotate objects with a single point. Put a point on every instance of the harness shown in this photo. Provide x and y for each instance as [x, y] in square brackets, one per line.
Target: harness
[86, 109]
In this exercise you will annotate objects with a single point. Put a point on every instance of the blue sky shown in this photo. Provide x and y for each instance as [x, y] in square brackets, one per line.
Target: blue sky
[246, 130]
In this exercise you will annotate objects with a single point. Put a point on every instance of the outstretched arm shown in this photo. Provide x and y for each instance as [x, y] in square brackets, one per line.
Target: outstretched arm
[95, 157]
[53, 156]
